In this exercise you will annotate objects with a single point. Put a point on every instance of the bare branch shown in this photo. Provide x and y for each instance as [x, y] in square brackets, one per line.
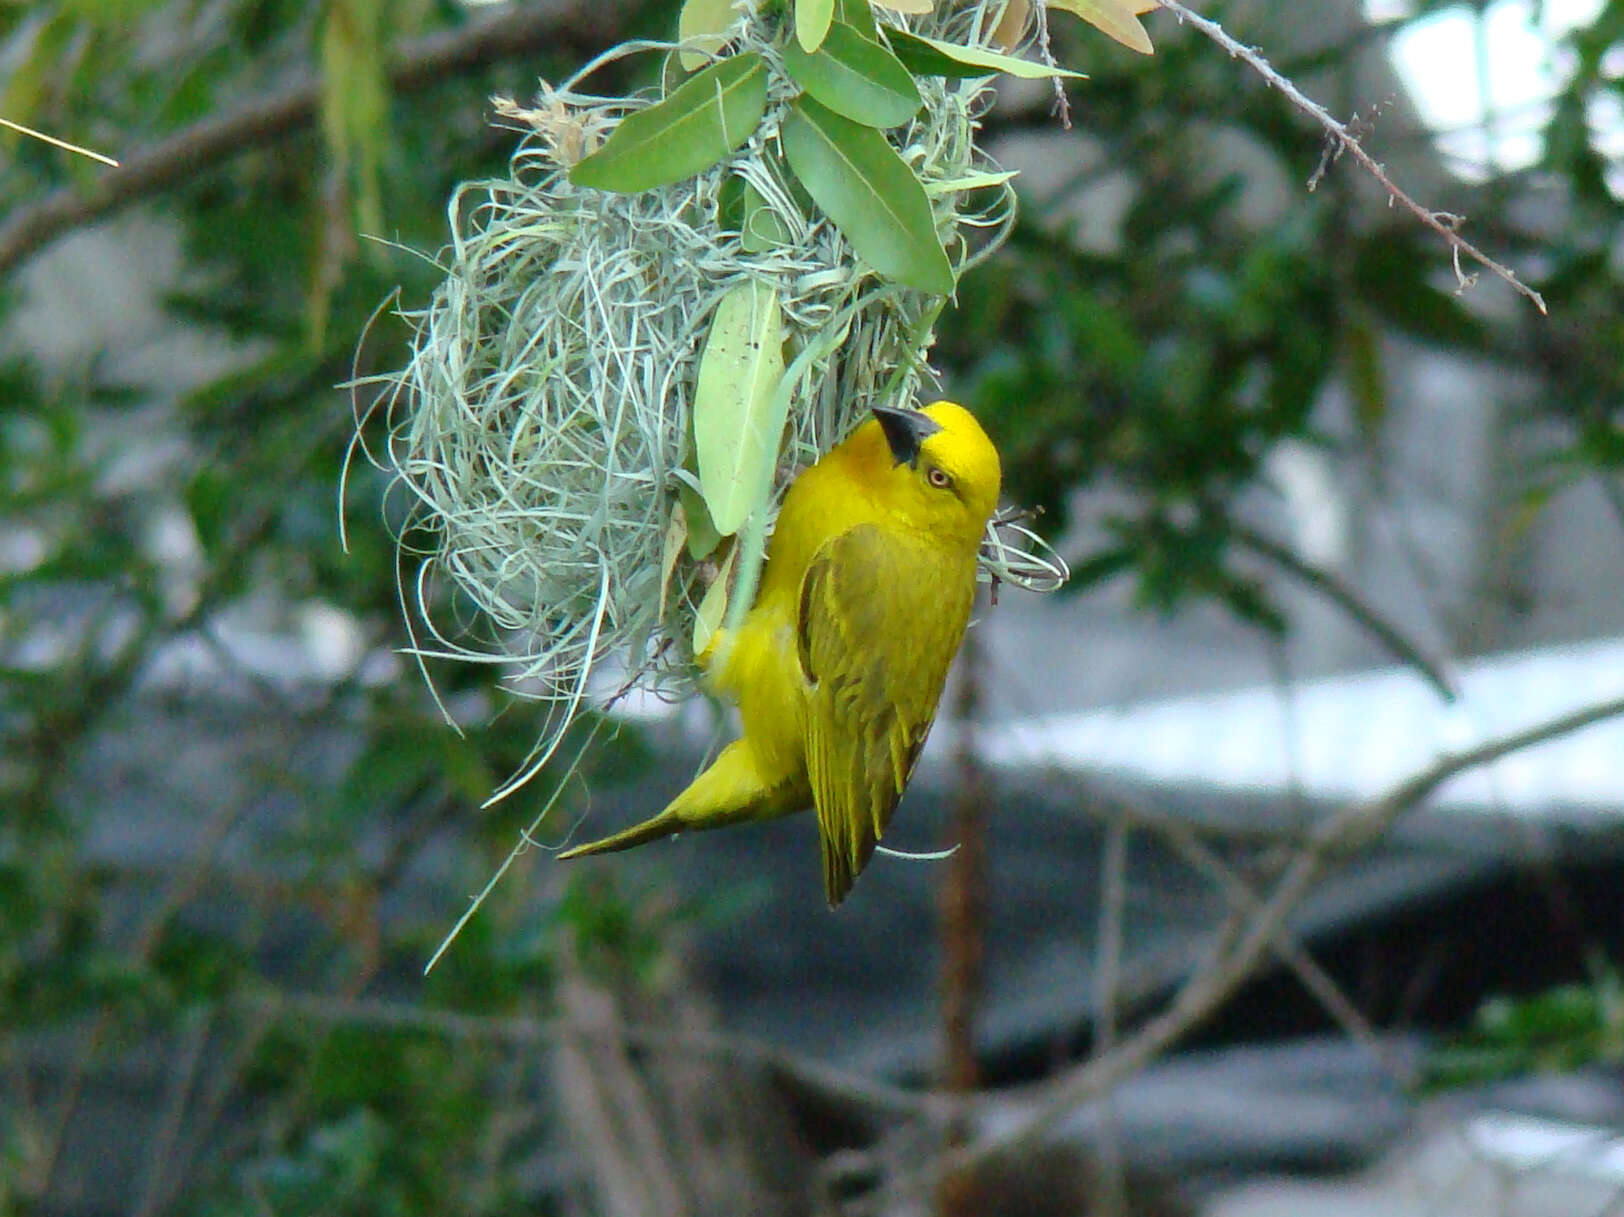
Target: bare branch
[1255, 927]
[1062, 105]
[1345, 597]
[522, 30]
[1239, 895]
[1444, 223]
[1239, 953]
[962, 896]
[1112, 1198]
[194, 1038]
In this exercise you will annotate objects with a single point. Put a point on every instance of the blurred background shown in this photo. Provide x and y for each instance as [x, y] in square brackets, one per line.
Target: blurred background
[1226, 931]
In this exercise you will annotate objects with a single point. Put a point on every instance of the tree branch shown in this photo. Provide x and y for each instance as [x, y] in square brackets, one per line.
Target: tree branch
[1239, 953]
[523, 30]
[1345, 597]
[1254, 928]
[1182, 837]
[1445, 224]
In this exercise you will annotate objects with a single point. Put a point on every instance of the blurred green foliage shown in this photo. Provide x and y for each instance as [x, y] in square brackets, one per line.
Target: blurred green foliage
[1167, 368]
[1556, 1031]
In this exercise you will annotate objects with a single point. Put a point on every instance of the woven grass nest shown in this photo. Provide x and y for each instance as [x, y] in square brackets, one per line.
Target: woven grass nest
[542, 427]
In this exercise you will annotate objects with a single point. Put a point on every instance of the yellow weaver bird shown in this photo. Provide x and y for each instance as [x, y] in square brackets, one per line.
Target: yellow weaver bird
[839, 664]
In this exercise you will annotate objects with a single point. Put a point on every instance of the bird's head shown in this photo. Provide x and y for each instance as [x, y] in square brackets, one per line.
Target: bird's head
[944, 470]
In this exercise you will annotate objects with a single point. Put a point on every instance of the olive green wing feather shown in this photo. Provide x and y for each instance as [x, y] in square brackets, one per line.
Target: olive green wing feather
[879, 621]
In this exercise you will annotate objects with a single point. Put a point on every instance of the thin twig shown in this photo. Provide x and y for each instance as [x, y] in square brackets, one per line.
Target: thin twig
[183, 1071]
[183, 886]
[1061, 110]
[1345, 597]
[206, 1108]
[1111, 1200]
[1240, 896]
[522, 30]
[963, 893]
[1445, 224]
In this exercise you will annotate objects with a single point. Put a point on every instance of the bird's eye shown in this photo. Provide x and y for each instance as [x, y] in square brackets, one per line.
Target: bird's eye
[938, 478]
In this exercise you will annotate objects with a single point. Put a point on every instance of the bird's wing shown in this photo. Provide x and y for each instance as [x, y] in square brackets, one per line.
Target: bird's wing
[878, 624]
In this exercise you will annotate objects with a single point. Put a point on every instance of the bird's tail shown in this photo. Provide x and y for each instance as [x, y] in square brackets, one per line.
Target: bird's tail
[662, 825]
[731, 791]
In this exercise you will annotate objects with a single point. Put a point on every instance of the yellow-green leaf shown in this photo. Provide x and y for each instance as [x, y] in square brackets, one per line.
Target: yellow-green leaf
[1366, 378]
[922, 59]
[737, 417]
[1118, 19]
[988, 61]
[354, 112]
[702, 29]
[676, 535]
[856, 77]
[812, 18]
[869, 192]
[687, 133]
[971, 181]
[912, 7]
[1011, 27]
[355, 101]
[42, 49]
[713, 606]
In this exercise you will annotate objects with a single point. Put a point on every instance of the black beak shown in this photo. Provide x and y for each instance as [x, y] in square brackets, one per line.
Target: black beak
[904, 431]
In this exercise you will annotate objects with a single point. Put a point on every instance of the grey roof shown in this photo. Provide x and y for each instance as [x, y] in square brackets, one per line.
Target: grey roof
[1354, 737]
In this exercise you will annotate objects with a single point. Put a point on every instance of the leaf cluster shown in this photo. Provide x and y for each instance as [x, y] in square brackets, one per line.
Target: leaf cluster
[1556, 1031]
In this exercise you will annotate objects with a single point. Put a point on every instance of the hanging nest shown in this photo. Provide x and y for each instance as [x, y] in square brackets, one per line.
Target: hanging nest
[542, 427]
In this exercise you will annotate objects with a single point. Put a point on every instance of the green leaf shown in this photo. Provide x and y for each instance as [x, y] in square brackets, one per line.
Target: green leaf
[741, 208]
[736, 424]
[730, 203]
[1366, 381]
[701, 535]
[687, 133]
[812, 18]
[971, 181]
[1392, 276]
[760, 227]
[988, 62]
[855, 77]
[858, 14]
[923, 59]
[869, 192]
[209, 498]
[702, 28]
